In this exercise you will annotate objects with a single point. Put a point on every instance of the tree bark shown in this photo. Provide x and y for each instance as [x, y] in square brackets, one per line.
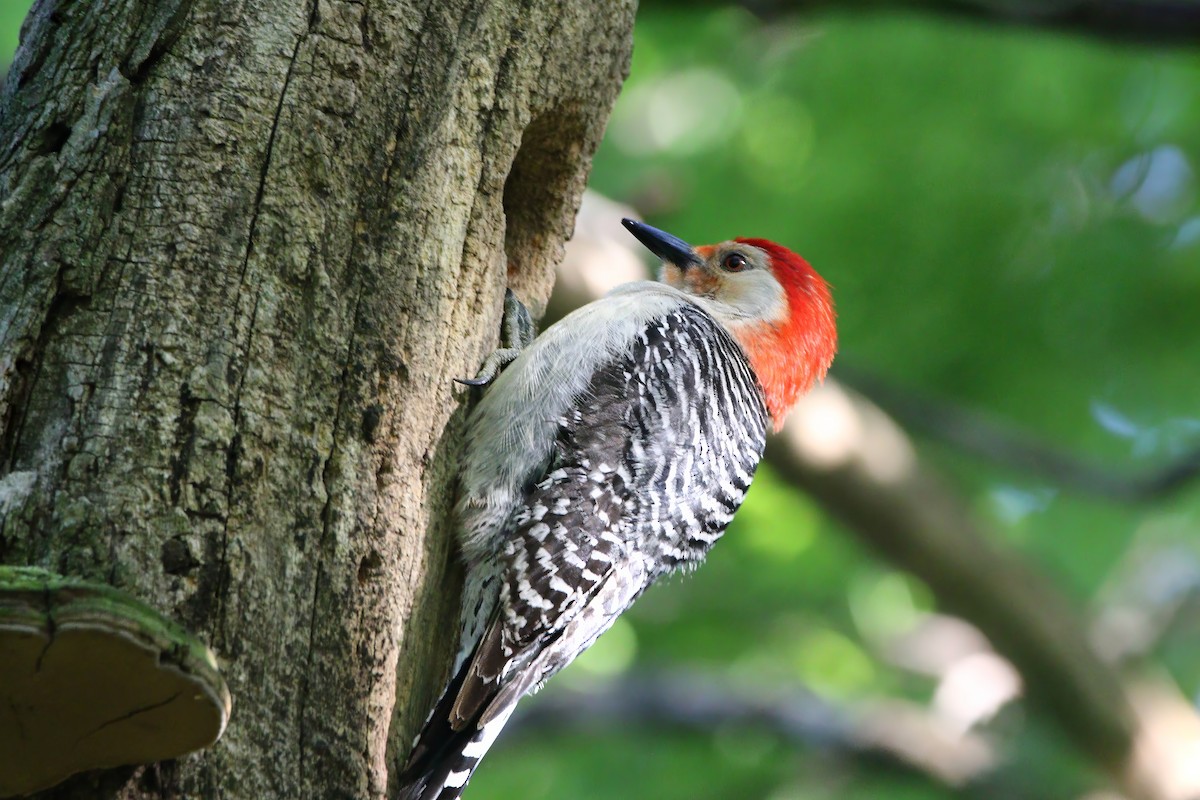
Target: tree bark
[245, 246]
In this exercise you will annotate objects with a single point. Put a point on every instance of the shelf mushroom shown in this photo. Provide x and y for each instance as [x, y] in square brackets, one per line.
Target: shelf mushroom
[91, 678]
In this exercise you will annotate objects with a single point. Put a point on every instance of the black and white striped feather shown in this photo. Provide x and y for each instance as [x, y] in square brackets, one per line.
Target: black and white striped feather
[646, 469]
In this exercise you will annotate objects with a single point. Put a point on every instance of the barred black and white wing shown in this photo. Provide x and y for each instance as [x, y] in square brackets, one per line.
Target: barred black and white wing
[648, 467]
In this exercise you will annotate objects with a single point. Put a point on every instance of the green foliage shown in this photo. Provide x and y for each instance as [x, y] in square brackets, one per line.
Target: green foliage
[11, 16]
[670, 765]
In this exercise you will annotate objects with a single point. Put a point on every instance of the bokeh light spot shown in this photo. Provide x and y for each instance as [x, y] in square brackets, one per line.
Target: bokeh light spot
[681, 113]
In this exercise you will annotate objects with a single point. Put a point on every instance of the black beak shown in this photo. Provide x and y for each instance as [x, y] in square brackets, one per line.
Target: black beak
[662, 244]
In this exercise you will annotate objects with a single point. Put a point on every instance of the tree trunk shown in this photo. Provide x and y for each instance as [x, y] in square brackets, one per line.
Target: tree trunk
[245, 247]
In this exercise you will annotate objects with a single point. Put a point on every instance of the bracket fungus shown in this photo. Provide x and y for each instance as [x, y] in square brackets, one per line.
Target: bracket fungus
[91, 678]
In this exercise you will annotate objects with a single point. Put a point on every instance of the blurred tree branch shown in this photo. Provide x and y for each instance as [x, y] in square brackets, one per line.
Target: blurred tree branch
[892, 734]
[872, 481]
[1171, 22]
[1007, 446]
[868, 475]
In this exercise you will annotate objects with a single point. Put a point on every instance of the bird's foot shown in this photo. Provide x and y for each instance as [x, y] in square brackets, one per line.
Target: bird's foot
[517, 330]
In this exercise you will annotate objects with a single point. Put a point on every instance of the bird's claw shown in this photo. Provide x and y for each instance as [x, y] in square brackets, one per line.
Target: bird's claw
[492, 367]
[517, 330]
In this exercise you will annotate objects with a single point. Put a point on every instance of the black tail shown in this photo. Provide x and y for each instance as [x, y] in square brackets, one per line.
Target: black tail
[451, 746]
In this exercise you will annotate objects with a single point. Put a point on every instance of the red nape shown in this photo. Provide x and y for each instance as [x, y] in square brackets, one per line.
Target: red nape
[790, 356]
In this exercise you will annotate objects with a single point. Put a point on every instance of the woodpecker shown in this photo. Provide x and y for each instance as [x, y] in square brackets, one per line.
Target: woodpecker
[611, 451]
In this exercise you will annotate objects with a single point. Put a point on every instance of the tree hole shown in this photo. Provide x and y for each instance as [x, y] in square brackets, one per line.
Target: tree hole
[53, 138]
[541, 196]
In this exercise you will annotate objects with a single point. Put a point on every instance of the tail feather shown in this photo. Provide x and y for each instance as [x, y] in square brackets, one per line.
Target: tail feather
[447, 777]
[450, 747]
[440, 769]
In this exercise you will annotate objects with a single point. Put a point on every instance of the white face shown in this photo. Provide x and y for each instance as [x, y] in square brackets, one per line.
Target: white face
[734, 283]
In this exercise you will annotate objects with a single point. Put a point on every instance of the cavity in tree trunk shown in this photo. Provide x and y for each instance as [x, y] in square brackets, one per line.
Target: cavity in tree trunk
[245, 246]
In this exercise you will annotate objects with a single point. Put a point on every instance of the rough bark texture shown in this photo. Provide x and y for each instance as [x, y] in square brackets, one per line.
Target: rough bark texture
[245, 246]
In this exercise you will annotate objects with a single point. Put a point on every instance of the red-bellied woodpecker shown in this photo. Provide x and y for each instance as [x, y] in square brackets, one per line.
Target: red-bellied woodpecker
[613, 450]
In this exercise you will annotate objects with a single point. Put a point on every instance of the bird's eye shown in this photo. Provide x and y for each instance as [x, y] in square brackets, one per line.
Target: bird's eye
[734, 262]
